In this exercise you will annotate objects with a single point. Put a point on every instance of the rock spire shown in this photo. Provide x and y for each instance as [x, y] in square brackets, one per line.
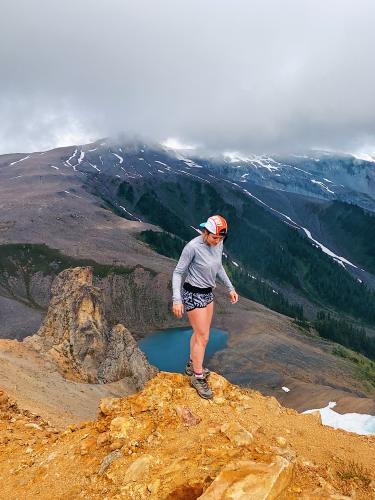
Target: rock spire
[76, 335]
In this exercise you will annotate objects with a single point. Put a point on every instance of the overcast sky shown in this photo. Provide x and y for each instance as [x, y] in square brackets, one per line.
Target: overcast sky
[227, 75]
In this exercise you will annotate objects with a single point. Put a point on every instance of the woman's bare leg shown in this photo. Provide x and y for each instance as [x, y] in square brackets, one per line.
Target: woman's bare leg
[200, 320]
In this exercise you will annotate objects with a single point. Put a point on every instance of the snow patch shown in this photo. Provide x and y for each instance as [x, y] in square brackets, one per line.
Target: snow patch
[192, 175]
[119, 157]
[71, 157]
[326, 250]
[340, 260]
[18, 161]
[94, 166]
[351, 422]
[254, 160]
[129, 213]
[81, 157]
[364, 157]
[301, 169]
[321, 184]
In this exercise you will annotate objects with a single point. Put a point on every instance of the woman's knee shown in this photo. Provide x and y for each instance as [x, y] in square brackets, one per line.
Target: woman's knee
[201, 337]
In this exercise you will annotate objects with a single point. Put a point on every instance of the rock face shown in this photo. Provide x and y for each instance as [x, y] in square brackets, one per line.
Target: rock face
[76, 335]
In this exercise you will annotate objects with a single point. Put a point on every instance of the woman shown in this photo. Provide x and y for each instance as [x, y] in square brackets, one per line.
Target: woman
[201, 259]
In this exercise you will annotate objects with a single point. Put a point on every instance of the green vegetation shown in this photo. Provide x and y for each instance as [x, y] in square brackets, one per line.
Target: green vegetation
[345, 333]
[365, 367]
[304, 326]
[349, 471]
[27, 259]
[354, 230]
[259, 291]
[163, 243]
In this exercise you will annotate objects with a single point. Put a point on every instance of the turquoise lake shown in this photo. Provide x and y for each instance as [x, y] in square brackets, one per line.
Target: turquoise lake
[169, 349]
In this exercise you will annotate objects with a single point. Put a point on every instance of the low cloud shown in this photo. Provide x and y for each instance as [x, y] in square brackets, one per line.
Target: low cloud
[257, 76]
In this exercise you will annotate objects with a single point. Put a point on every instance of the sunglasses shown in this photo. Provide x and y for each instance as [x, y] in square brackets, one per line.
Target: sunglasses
[222, 236]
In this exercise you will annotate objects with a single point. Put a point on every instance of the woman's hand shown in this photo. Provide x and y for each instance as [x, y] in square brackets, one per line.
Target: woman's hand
[233, 295]
[178, 310]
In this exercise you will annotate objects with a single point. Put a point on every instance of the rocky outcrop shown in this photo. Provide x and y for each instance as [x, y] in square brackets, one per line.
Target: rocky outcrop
[76, 335]
[166, 443]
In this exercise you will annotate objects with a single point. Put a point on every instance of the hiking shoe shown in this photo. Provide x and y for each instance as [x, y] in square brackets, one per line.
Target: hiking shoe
[201, 386]
[189, 370]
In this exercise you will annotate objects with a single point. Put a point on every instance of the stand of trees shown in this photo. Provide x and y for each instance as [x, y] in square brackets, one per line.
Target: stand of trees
[345, 333]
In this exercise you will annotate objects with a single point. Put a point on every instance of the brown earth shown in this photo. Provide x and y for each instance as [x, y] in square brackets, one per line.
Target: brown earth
[167, 443]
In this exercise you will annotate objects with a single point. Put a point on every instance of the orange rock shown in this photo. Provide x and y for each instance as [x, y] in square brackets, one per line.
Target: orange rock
[87, 445]
[237, 434]
[246, 479]
[109, 405]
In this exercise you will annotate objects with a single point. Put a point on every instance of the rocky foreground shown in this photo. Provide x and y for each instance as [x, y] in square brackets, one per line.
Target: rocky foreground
[166, 443]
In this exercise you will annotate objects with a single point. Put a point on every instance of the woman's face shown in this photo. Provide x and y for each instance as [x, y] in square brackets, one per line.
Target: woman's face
[212, 239]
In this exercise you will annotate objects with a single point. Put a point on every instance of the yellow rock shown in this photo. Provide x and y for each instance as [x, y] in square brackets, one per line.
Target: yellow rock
[102, 439]
[108, 405]
[219, 400]
[122, 427]
[88, 445]
[281, 441]
[218, 384]
[138, 469]
[117, 444]
[237, 434]
[247, 480]
[153, 487]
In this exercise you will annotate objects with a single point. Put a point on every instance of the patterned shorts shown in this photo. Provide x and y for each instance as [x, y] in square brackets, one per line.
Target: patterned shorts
[193, 300]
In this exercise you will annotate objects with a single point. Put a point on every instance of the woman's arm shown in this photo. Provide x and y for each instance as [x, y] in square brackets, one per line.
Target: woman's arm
[187, 256]
[223, 277]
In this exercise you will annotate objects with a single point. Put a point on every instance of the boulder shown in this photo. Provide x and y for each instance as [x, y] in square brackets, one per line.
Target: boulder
[247, 479]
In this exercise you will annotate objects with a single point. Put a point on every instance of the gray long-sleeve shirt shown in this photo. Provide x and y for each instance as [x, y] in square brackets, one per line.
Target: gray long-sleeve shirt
[202, 263]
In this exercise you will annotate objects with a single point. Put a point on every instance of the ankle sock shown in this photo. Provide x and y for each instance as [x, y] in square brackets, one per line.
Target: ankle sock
[198, 374]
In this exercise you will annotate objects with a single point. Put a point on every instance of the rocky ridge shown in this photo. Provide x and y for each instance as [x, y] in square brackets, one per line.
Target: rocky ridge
[77, 337]
[166, 443]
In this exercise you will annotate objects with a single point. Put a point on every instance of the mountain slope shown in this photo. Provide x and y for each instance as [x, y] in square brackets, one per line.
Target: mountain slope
[64, 209]
[167, 443]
